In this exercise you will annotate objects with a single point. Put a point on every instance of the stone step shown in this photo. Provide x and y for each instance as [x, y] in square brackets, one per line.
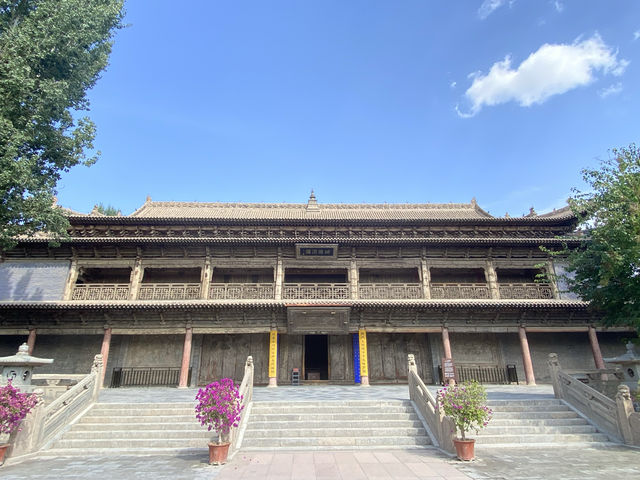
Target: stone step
[310, 442]
[138, 451]
[336, 403]
[127, 419]
[122, 443]
[337, 409]
[529, 408]
[126, 427]
[406, 423]
[142, 412]
[530, 429]
[521, 403]
[137, 434]
[293, 417]
[534, 415]
[143, 406]
[537, 422]
[541, 438]
[333, 432]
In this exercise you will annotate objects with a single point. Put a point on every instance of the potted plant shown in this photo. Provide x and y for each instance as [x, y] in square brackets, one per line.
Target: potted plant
[466, 405]
[14, 406]
[219, 408]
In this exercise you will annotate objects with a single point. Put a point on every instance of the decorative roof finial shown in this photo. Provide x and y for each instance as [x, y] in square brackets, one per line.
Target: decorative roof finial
[532, 212]
[474, 202]
[312, 204]
[148, 198]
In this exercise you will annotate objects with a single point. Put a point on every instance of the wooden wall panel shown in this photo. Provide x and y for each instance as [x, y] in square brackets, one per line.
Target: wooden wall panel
[388, 356]
[289, 357]
[225, 356]
[340, 358]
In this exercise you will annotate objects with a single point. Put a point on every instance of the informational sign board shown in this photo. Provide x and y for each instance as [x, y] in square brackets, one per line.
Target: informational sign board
[448, 370]
[364, 366]
[273, 353]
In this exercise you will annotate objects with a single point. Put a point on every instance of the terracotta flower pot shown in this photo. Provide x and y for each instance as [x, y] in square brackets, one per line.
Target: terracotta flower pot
[3, 451]
[218, 453]
[465, 449]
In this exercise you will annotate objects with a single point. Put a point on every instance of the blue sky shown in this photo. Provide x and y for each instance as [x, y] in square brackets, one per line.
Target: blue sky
[363, 101]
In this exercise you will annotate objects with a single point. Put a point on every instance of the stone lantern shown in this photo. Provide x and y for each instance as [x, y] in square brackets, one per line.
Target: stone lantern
[630, 364]
[19, 368]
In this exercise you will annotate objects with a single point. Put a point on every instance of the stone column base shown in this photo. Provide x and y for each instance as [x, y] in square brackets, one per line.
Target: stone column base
[273, 382]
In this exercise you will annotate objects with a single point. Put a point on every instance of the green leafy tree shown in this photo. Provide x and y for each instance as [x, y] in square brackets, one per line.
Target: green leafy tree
[51, 53]
[108, 210]
[606, 271]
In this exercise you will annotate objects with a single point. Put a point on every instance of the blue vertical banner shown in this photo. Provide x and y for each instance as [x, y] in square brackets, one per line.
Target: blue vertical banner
[356, 358]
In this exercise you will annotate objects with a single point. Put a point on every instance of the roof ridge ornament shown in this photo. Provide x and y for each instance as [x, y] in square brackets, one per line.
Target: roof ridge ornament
[312, 204]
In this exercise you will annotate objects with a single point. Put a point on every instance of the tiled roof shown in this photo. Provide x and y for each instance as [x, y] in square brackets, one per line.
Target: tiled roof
[303, 211]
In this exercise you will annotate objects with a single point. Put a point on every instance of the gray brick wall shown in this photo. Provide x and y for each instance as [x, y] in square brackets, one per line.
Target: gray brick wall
[30, 280]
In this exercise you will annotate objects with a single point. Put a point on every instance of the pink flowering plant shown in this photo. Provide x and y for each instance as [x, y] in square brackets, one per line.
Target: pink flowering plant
[14, 406]
[219, 407]
[466, 405]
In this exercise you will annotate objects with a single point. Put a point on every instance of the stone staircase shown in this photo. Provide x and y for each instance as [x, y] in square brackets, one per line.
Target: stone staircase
[536, 422]
[334, 425]
[133, 428]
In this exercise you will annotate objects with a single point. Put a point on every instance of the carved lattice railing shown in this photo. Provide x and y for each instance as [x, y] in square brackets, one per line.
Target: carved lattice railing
[232, 291]
[534, 291]
[460, 290]
[384, 291]
[321, 291]
[169, 291]
[100, 291]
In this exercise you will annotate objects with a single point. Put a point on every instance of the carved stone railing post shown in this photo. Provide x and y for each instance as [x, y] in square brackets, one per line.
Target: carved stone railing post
[492, 279]
[624, 408]
[279, 277]
[425, 279]
[29, 438]
[554, 369]
[205, 278]
[97, 367]
[354, 279]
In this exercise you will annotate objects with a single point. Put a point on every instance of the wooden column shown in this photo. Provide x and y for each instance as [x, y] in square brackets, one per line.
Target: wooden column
[72, 278]
[205, 281]
[526, 357]
[279, 276]
[364, 364]
[492, 280]
[354, 279]
[135, 279]
[595, 348]
[425, 278]
[446, 347]
[106, 343]
[273, 358]
[186, 358]
[31, 341]
[551, 272]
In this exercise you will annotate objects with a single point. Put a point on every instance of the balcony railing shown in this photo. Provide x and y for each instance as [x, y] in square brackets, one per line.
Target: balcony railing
[228, 291]
[169, 291]
[534, 291]
[320, 291]
[460, 290]
[100, 291]
[383, 291]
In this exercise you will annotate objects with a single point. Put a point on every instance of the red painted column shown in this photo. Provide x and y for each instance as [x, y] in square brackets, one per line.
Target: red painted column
[446, 345]
[31, 341]
[595, 348]
[106, 343]
[526, 357]
[186, 358]
[445, 342]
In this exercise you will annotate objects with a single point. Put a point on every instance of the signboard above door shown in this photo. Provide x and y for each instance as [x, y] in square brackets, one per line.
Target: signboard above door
[318, 320]
[315, 251]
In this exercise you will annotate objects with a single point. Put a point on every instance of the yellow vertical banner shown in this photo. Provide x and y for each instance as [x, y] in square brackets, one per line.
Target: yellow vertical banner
[364, 365]
[273, 353]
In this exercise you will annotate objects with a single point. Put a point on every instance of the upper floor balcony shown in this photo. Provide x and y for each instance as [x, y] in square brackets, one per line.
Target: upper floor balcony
[298, 285]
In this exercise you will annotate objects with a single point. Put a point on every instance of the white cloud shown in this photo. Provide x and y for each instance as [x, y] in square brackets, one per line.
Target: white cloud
[453, 84]
[488, 6]
[559, 6]
[551, 70]
[611, 90]
[636, 34]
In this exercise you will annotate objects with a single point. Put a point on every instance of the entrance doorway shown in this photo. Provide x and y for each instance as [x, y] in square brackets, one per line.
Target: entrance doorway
[316, 357]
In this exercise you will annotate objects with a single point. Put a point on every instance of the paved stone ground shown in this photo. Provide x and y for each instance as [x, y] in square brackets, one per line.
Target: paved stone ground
[565, 463]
